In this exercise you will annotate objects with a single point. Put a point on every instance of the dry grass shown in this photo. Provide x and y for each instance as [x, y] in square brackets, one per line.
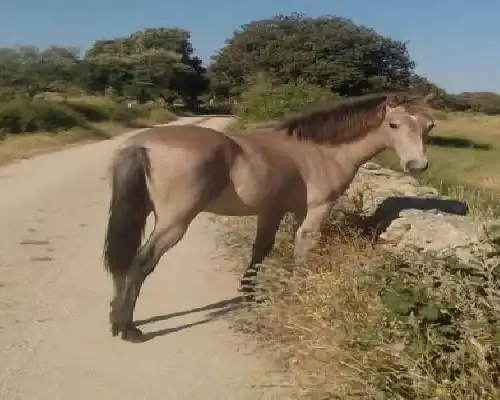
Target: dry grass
[360, 323]
[357, 322]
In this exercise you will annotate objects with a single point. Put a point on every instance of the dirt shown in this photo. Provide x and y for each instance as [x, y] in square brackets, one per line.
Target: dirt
[54, 297]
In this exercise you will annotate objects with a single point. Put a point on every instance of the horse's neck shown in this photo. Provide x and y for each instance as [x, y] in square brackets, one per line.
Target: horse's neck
[354, 154]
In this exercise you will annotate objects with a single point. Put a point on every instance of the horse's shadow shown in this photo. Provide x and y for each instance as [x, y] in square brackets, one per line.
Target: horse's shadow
[456, 142]
[390, 209]
[214, 311]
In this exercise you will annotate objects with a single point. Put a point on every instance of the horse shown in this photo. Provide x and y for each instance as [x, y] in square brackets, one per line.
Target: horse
[300, 167]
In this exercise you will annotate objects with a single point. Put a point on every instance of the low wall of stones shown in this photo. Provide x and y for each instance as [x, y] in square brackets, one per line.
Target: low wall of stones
[402, 213]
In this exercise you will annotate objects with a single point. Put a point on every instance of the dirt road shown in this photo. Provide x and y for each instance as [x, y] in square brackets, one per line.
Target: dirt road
[54, 335]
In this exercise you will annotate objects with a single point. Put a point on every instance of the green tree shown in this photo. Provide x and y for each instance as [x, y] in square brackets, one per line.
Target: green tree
[28, 70]
[148, 64]
[328, 51]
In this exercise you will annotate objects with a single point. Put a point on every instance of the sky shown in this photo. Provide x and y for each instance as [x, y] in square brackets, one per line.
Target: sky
[455, 43]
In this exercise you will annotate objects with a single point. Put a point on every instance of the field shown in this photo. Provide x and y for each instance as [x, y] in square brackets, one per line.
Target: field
[359, 322]
[33, 127]
[464, 154]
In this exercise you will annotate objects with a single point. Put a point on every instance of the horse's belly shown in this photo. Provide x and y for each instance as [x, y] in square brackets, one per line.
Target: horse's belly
[231, 203]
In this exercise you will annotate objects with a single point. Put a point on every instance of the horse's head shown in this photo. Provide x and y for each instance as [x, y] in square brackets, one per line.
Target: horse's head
[407, 135]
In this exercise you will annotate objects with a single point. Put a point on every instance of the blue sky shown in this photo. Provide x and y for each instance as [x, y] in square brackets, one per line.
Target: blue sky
[454, 42]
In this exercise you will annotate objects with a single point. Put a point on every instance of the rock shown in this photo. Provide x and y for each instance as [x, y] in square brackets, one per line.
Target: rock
[405, 214]
[371, 165]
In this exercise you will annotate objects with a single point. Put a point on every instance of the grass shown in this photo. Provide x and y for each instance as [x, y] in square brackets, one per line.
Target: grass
[106, 125]
[464, 159]
[358, 322]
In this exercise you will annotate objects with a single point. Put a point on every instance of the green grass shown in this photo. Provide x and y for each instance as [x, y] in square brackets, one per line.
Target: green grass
[464, 160]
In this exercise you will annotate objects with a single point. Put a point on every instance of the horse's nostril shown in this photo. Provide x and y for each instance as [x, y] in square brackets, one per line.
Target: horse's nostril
[414, 165]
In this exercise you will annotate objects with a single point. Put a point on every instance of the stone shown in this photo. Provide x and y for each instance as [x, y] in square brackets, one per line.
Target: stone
[405, 214]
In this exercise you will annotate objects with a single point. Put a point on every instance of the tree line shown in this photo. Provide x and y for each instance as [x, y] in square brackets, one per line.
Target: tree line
[147, 65]
[159, 64]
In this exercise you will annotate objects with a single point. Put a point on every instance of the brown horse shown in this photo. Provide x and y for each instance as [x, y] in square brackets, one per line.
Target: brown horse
[177, 172]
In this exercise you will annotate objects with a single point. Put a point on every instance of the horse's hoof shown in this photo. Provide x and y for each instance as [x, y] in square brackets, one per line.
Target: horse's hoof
[247, 288]
[115, 330]
[248, 296]
[132, 334]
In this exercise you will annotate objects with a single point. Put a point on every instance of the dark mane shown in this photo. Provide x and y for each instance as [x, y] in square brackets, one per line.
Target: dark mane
[346, 120]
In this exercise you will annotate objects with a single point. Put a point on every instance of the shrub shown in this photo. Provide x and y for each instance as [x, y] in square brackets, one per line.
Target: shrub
[22, 115]
[46, 115]
[92, 112]
[161, 115]
[121, 113]
[263, 102]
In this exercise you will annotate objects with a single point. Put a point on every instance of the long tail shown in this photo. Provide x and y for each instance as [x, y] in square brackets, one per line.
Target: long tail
[129, 207]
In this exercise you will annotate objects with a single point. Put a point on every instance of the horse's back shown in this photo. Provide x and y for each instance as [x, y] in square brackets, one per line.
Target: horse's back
[178, 136]
[189, 164]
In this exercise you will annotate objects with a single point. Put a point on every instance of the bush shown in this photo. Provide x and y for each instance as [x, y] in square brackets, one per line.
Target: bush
[19, 116]
[98, 109]
[43, 115]
[92, 112]
[263, 102]
[161, 115]
[121, 113]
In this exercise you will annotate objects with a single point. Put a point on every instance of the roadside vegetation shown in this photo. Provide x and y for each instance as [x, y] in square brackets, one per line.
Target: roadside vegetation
[360, 322]
[54, 96]
[30, 127]
[357, 322]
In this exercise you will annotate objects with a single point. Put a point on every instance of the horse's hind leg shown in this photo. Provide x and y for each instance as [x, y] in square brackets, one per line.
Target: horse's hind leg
[267, 226]
[166, 234]
[118, 286]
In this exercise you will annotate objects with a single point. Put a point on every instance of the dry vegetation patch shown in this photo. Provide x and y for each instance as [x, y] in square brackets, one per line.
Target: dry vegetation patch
[362, 322]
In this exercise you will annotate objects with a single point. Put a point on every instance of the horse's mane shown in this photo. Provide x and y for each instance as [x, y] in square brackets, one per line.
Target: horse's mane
[346, 120]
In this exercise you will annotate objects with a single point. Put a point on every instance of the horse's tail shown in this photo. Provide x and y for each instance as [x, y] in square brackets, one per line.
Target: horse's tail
[129, 207]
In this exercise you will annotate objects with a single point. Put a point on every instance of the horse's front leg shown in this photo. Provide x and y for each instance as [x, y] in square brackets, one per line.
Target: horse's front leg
[267, 226]
[308, 232]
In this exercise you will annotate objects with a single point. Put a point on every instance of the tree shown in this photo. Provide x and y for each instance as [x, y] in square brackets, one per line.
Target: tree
[28, 70]
[148, 64]
[328, 51]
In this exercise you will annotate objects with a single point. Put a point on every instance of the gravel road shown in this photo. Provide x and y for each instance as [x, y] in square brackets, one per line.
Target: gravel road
[54, 297]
